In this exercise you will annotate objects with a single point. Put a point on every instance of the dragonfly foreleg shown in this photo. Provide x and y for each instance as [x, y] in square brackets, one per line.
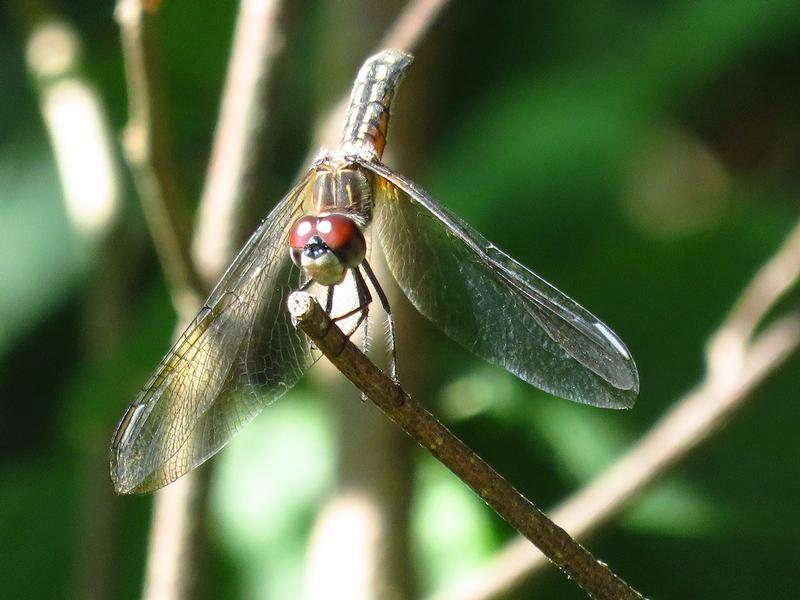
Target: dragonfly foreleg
[329, 299]
[389, 319]
[364, 300]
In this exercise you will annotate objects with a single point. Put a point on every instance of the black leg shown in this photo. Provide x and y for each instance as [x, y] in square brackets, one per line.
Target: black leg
[365, 345]
[389, 319]
[329, 300]
[305, 285]
[364, 300]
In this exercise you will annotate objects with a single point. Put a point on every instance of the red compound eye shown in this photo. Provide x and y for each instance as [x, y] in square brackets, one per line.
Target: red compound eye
[302, 230]
[343, 236]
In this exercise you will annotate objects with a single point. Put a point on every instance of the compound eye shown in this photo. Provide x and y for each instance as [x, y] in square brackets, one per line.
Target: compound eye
[343, 237]
[302, 230]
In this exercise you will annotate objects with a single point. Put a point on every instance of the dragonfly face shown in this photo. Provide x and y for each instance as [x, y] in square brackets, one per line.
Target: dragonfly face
[242, 352]
[326, 246]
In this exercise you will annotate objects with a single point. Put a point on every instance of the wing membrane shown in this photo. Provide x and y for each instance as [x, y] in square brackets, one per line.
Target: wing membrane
[495, 306]
[239, 353]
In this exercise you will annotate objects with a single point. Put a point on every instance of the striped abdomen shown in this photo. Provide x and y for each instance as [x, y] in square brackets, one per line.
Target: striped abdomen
[370, 102]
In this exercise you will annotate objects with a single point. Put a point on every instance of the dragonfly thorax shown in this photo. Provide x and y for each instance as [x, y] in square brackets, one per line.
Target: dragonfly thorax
[342, 187]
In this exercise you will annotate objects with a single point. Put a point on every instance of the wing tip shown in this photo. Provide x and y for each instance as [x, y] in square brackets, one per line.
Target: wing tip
[123, 487]
[123, 481]
[625, 399]
[626, 403]
[121, 490]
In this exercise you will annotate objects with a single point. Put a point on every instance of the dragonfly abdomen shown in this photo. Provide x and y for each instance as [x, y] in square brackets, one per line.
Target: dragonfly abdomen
[370, 102]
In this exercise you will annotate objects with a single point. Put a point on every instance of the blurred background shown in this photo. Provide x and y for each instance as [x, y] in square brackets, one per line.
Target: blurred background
[641, 156]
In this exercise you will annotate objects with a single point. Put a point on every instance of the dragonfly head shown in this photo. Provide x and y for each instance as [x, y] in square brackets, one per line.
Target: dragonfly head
[326, 246]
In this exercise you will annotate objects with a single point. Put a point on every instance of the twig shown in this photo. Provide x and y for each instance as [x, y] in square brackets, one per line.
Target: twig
[177, 514]
[770, 283]
[177, 539]
[176, 531]
[736, 364]
[592, 575]
[237, 150]
[147, 149]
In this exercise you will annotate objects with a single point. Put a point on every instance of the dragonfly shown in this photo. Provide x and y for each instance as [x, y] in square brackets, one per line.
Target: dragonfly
[242, 351]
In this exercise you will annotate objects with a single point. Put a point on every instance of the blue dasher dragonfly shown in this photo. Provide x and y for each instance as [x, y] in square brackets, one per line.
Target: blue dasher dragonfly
[242, 351]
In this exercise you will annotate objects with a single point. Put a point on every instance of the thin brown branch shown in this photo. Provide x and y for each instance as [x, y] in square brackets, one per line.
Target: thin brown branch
[736, 363]
[147, 150]
[239, 139]
[592, 575]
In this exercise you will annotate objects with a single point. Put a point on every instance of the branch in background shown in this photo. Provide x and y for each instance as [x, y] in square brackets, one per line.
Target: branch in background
[176, 533]
[737, 362]
[592, 575]
[77, 127]
[147, 149]
[239, 138]
[412, 24]
[176, 548]
[779, 274]
[82, 146]
[178, 514]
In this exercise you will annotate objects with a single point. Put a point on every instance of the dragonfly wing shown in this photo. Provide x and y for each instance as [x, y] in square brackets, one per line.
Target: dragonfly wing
[495, 306]
[239, 353]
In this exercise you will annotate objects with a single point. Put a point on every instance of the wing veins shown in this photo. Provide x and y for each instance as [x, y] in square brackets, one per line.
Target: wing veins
[191, 365]
[559, 317]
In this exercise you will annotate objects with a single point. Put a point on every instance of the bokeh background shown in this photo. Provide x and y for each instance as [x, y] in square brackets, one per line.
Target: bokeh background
[641, 156]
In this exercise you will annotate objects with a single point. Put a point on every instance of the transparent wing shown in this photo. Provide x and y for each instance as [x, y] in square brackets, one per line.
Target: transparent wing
[493, 305]
[239, 353]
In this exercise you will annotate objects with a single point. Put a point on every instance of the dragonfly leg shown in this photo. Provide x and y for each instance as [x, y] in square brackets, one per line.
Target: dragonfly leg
[364, 300]
[329, 300]
[363, 304]
[389, 319]
[306, 285]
